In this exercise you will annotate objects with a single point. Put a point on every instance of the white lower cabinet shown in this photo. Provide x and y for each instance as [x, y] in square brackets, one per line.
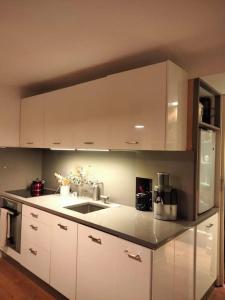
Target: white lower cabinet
[35, 241]
[184, 266]
[36, 260]
[83, 263]
[133, 274]
[173, 269]
[206, 255]
[163, 272]
[63, 256]
[111, 268]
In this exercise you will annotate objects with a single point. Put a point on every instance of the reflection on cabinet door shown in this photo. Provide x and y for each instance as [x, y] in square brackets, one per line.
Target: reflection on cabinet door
[96, 265]
[206, 255]
[184, 266]
[163, 272]
[138, 97]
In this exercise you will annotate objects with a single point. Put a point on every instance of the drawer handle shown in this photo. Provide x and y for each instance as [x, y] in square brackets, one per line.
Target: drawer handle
[133, 256]
[96, 240]
[56, 143]
[34, 252]
[34, 227]
[62, 226]
[34, 215]
[29, 143]
[210, 225]
[132, 142]
[89, 143]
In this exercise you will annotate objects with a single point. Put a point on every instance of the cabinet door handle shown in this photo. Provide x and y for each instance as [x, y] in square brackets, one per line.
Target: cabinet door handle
[96, 240]
[29, 143]
[209, 225]
[56, 143]
[62, 226]
[88, 143]
[34, 227]
[132, 142]
[34, 252]
[133, 256]
[34, 215]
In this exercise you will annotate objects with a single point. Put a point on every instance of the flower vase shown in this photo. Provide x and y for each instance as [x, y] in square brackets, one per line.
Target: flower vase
[64, 190]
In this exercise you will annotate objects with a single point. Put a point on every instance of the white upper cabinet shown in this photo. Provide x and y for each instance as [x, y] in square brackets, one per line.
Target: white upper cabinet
[32, 122]
[91, 126]
[9, 117]
[59, 118]
[148, 108]
[142, 109]
[138, 97]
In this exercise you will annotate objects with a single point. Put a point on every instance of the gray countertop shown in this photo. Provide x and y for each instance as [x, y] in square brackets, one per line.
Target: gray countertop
[122, 221]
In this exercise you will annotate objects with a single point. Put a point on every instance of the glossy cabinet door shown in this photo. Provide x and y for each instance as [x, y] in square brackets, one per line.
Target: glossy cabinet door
[111, 268]
[133, 274]
[163, 272]
[59, 118]
[176, 116]
[96, 265]
[184, 266]
[9, 117]
[35, 241]
[63, 256]
[138, 97]
[92, 110]
[206, 255]
[32, 122]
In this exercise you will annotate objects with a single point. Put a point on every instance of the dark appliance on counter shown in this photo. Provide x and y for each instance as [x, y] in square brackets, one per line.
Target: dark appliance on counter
[37, 187]
[15, 215]
[164, 199]
[143, 194]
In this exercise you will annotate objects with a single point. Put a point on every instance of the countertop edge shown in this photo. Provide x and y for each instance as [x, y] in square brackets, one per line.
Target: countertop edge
[186, 224]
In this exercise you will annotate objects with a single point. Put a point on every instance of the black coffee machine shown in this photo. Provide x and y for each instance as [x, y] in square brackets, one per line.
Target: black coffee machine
[143, 194]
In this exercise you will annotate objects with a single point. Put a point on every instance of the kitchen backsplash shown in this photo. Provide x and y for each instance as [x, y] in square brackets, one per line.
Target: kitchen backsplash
[18, 167]
[119, 169]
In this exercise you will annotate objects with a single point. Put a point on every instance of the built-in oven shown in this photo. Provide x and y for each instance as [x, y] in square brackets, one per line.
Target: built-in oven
[15, 219]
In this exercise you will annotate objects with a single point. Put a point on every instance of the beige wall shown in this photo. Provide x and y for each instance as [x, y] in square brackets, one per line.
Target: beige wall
[18, 167]
[118, 171]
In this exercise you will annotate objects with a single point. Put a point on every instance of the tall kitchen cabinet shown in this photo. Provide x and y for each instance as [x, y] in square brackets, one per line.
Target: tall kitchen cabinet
[142, 109]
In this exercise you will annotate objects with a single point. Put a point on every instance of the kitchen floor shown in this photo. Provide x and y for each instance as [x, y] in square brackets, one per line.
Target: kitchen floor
[18, 284]
[218, 294]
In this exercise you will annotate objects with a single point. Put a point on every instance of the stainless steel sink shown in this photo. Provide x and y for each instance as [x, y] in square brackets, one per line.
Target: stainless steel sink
[85, 208]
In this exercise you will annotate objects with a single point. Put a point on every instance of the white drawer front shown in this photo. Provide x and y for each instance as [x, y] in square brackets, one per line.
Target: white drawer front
[37, 214]
[36, 259]
[36, 232]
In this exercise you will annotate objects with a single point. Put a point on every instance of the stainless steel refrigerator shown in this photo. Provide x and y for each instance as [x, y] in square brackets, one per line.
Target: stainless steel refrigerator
[206, 170]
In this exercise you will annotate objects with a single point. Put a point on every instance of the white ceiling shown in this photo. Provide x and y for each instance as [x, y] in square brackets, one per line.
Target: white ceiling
[49, 42]
[217, 81]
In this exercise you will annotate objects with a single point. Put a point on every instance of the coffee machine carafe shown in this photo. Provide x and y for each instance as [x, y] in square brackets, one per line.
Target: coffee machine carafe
[164, 199]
